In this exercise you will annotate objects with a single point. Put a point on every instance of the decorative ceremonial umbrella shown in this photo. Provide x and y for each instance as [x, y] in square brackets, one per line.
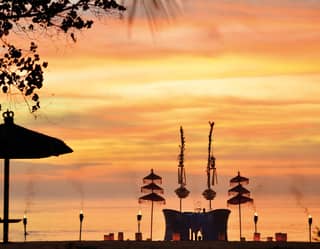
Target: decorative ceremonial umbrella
[154, 190]
[17, 142]
[242, 195]
[182, 192]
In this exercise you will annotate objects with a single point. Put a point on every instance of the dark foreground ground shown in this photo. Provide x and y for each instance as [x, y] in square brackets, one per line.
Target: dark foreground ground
[158, 245]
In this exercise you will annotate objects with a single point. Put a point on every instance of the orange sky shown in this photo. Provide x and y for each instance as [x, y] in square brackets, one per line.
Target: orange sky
[118, 101]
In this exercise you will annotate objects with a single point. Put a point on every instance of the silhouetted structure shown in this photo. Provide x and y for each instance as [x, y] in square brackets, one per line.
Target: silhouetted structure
[154, 191]
[182, 192]
[17, 142]
[242, 195]
[209, 194]
[212, 225]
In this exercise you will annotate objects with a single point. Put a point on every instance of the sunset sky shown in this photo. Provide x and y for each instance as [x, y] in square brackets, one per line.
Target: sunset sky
[119, 100]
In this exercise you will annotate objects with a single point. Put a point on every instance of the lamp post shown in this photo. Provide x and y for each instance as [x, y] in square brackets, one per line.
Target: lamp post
[255, 220]
[81, 216]
[25, 221]
[139, 217]
[310, 223]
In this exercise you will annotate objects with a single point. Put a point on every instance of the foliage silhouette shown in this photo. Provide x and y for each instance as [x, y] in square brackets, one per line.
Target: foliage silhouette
[22, 68]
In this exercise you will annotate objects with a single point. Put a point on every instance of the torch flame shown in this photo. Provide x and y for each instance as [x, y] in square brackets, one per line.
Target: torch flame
[81, 212]
[139, 212]
[24, 216]
[310, 220]
[255, 214]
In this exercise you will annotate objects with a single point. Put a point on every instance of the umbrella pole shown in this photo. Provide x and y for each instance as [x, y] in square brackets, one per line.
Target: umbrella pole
[240, 220]
[151, 220]
[6, 201]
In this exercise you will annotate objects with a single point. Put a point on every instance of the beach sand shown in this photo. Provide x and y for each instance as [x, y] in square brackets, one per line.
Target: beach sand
[158, 245]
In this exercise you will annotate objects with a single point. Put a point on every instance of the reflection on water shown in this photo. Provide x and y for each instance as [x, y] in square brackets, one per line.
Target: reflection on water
[59, 219]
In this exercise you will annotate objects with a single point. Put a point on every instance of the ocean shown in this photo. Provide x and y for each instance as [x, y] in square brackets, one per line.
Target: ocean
[58, 219]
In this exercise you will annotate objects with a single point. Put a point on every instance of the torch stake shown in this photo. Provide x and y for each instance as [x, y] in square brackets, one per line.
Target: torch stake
[139, 217]
[310, 224]
[81, 216]
[25, 227]
[255, 219]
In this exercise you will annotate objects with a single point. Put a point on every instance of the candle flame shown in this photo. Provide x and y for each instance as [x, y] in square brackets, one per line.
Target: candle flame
[24, 216]
[310, 216]
[255, 214]
[81, 212]
[139, 212]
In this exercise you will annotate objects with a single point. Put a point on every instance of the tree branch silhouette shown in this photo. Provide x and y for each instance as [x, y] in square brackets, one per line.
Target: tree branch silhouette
[22, 68]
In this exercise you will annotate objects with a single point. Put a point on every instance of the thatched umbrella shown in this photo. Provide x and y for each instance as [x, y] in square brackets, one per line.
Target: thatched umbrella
[154, 190]
[17, 142]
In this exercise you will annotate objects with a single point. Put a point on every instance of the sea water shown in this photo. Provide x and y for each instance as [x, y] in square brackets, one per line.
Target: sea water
[58, 219]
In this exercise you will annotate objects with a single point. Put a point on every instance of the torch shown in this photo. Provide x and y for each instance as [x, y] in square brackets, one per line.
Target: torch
[255, 220]
[139, 217]
[25, 226]
[310, 223]
[81, 216]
